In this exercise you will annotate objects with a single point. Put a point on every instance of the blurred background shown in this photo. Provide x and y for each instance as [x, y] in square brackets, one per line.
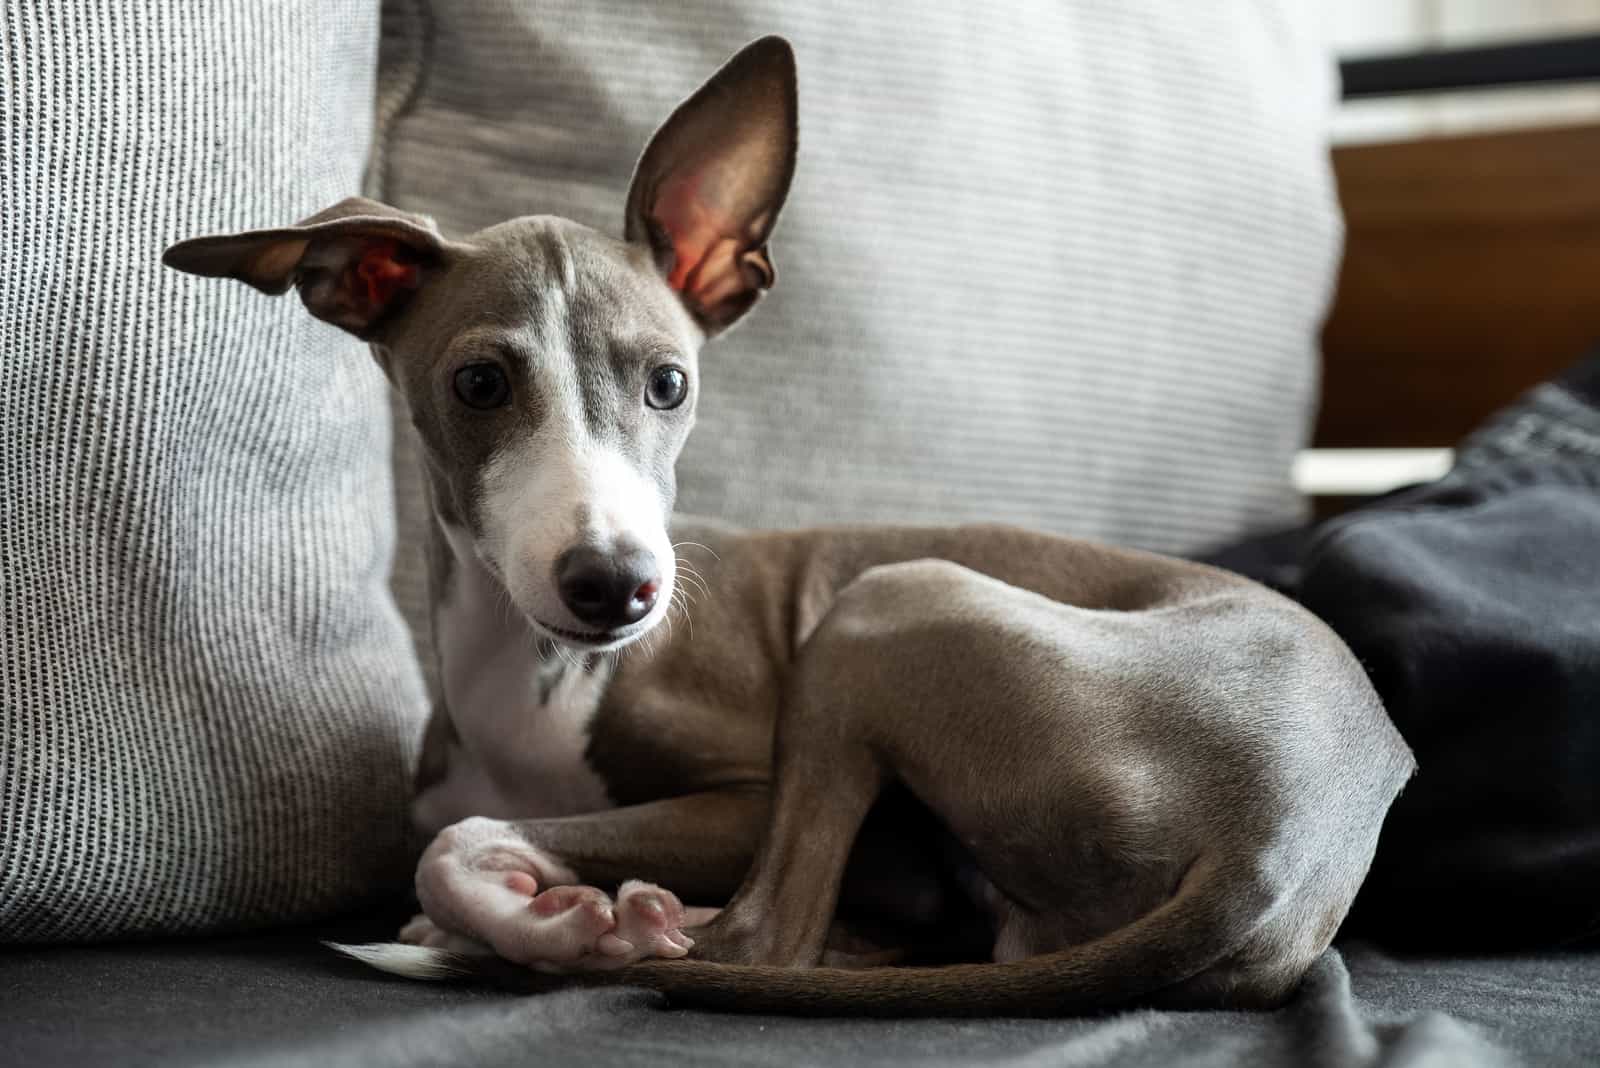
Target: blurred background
[1374, 27]
[1459, 145]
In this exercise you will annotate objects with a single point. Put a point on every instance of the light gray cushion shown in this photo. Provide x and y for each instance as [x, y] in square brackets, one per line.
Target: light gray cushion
[208, 704]
[1062, 264]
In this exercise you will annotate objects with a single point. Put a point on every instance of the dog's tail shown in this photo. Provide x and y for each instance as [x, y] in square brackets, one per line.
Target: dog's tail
[1206, 921]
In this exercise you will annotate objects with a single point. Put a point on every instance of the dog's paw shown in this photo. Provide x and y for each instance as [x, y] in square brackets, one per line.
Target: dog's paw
[421, 931]
[650, 923]
[561, 930]
[580, 929]
[494, 849]
[481, 878]
[479, 874]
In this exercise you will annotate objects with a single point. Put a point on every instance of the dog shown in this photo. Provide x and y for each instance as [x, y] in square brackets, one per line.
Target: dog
[1071, 776]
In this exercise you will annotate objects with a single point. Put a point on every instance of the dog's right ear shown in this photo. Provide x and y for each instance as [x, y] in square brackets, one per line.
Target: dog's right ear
[353, 264]
[707, 191]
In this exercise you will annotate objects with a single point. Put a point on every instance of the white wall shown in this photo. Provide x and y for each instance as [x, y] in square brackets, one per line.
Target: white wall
[1376, 26]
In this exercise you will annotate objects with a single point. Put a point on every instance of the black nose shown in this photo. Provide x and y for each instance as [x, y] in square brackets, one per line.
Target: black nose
[607, 590]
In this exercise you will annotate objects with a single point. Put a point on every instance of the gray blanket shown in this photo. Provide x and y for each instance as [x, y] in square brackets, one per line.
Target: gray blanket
[283, 1000]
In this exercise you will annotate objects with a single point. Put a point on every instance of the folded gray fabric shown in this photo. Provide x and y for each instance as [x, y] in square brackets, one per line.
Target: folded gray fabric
[1062, 266]
[208, 702]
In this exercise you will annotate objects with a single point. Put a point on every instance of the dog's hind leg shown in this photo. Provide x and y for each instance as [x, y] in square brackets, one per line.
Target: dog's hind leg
[910, 678]
[826, 779]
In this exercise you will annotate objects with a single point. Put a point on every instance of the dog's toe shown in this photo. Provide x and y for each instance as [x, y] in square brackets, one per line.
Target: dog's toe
[651, 920]
[417, 930]
[522, 883]
[421, 931]
[568, 923]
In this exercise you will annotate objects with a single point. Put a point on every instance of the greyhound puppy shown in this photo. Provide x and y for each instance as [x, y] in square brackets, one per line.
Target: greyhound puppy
[1137, 779]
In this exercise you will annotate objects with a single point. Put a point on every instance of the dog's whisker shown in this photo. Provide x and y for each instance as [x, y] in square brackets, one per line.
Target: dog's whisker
[681, 604]
[689, 568]
[690, 584]
[687, 593]
[503, 604]
[698, 545]
[690, 575]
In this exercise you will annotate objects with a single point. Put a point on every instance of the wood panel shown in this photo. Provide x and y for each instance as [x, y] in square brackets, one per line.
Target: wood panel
[1471, 271]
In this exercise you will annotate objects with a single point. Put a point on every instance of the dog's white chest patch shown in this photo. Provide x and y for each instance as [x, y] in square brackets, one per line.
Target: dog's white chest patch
[521, 721]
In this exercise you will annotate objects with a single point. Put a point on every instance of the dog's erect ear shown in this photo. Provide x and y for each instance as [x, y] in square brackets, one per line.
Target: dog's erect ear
[708, 189]
[353, 263]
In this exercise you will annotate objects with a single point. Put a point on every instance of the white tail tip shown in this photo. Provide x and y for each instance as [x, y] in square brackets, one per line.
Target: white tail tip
[412, 962]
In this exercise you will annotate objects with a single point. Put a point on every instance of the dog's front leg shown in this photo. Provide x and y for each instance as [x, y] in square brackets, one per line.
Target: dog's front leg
[699, 844]
[524, 888]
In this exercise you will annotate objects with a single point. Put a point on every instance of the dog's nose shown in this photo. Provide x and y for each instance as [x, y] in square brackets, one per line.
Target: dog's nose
[607, 590]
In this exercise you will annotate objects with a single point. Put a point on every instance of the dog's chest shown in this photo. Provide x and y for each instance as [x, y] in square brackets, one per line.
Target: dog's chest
[521, 724]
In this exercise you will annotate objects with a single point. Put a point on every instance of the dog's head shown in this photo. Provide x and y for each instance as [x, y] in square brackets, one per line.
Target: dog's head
[550, 370]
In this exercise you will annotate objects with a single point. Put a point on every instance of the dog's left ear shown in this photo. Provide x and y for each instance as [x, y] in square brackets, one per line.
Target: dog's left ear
[353, 264]
[707, 191]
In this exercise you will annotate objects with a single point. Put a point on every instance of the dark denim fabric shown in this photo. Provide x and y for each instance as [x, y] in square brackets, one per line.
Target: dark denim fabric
[1474, 603]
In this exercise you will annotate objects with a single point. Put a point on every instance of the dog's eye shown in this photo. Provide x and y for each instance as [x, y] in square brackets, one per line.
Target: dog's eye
[482, 386]
[668, 386]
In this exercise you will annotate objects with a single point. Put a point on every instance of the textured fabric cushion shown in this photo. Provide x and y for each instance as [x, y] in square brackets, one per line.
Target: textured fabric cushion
[1063, 267]
[207, 699]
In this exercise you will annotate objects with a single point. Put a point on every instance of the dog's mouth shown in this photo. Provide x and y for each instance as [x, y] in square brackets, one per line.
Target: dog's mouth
[592, 641]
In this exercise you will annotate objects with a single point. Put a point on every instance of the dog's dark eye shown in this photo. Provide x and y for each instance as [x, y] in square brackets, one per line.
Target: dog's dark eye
[668, 386]
[482, 386]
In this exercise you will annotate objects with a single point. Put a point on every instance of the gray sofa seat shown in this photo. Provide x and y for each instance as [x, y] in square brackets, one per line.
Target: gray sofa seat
[284, 999]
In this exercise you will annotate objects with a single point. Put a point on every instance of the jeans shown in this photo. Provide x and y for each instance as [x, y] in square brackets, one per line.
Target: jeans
[1474, 603]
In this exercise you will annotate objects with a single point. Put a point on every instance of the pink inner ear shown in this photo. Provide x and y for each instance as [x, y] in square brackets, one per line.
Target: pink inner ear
[382, 272]
[705, 244]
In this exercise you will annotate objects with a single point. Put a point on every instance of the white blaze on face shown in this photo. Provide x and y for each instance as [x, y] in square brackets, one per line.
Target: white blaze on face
[563, 486]
[559, 489]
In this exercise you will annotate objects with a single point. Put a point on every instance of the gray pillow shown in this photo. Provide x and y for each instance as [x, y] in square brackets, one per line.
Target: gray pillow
[208, 702]
[1063, 267]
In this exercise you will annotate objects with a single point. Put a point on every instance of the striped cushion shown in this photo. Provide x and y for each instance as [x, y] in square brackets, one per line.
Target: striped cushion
[207, 701]
[1063, 267]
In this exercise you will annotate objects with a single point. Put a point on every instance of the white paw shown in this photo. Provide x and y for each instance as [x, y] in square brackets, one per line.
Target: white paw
[579, 928]
[480, 878]
[650, 923]
[422, 931]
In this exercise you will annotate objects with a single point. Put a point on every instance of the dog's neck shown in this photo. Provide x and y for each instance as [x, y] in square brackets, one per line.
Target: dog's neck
[463, 582]
[520, 706]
